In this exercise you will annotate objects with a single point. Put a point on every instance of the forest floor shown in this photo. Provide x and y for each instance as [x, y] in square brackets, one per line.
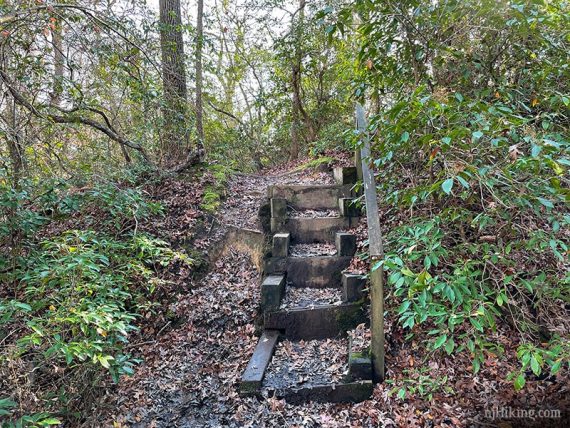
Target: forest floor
[191, 368]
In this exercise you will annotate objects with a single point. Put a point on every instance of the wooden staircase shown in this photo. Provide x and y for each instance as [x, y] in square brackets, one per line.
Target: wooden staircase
[293, 315]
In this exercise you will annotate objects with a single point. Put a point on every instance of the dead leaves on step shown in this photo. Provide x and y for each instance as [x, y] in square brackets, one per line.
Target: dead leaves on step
[302, 297]
[293, 213]
[307, 363]
[312, 250]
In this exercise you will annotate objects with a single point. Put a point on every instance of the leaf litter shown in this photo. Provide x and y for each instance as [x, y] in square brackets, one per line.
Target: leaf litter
[304, 297]
[293, 213]
[307, 363]
[312, 250]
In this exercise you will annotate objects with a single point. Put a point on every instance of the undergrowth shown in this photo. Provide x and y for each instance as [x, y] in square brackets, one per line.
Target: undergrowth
[77, 277]
[480, 226]
[215, 191]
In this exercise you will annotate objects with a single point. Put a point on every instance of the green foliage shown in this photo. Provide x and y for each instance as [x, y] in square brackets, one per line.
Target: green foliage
[210, 200]
[454, 303]
[315, 163]
[75, 296]
[214, 192]
[79, 300]
[330, 138]
[537, 360]
[120, 205]
[471, 138]
[15, 217]
[7, 406]
[418, 383]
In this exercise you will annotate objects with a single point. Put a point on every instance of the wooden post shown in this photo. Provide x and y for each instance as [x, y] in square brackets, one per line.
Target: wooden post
[377, 321]
[376, 250]
[358, 163]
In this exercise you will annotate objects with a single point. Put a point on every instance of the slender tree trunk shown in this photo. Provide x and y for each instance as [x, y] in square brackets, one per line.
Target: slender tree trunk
[13, 138]
[199, 78]
[15, 147]
[297, 107]
[175, 138]
[58, 62]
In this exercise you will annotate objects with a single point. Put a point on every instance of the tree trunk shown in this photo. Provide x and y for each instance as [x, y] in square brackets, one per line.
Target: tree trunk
[199, 79]
[13, 138]
[175, 138]
[295, 125]
[14, 143]
[58, 62]
[297, 107]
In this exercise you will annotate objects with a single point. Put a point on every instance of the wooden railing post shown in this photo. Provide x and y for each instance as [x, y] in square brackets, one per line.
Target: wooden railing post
[375, 247]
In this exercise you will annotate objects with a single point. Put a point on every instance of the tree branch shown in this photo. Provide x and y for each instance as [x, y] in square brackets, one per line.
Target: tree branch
[71, 117]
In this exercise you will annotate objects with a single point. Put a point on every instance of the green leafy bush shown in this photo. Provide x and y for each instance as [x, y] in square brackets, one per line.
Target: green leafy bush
[72, 299]
[78, 297]
[470, 135]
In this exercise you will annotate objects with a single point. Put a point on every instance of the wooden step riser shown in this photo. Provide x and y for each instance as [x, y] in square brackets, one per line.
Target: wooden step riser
[313, 230]
[314, 272]
[320, 322]
[345, 244]
[353, 392]
[312, 197]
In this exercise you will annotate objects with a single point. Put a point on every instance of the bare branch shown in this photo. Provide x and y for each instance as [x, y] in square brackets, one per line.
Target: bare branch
[71, 117]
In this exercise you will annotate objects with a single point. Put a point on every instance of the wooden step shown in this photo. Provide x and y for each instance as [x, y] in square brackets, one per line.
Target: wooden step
[318, 322]
[314, 370]
[316, 272]
[324, 197]
[306, 230]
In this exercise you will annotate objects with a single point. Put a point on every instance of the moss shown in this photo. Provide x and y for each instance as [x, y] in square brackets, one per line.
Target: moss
[347, 320]
[315, 163]
[359, 355]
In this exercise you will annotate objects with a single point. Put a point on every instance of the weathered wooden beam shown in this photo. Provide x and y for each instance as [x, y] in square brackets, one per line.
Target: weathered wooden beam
[281, 244]
[376, 250]
[272, 292]
[255, 370]
[315, 322]
[312, 272]
[320, 197]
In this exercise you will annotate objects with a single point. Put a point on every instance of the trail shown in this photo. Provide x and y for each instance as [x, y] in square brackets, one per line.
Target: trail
[190, 376]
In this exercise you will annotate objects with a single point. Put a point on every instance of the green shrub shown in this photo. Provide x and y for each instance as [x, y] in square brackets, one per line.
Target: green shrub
[72, 299]
[214, 192]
